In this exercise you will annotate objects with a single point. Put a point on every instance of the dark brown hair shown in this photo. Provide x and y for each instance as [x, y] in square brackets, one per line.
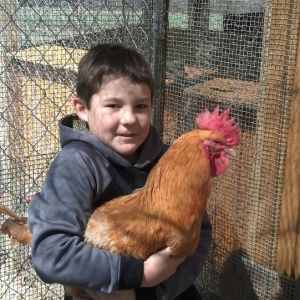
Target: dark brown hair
[110, 60]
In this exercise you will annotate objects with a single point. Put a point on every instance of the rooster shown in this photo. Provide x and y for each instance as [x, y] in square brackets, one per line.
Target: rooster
[168, 210]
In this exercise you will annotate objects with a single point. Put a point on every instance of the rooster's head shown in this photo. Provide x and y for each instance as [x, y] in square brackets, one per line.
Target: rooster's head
[218, 149]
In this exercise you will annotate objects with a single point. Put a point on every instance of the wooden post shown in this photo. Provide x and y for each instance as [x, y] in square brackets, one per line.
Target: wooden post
[288, 251]
[160, 28]
[277, 83]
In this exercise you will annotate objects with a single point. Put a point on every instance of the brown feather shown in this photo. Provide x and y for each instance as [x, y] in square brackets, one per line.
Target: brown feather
[15, 227]
[18, 231]
[166, 212]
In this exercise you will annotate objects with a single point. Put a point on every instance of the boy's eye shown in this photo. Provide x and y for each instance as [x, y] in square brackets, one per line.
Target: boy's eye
[142, 106]
[112, 105]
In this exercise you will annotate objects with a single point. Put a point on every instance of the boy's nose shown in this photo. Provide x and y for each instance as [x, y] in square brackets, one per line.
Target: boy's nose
[128, 117]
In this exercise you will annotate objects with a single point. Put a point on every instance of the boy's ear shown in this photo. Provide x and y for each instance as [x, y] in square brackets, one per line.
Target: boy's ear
[80, 109]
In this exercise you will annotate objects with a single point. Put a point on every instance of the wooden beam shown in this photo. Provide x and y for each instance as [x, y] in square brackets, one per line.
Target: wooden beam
[278, 73]
[288, 251]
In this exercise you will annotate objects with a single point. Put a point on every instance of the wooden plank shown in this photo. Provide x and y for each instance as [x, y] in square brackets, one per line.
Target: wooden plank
[288, 251]
[277, 83]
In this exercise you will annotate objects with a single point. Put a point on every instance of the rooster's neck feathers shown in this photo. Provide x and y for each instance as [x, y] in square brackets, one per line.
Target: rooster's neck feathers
[181, 173]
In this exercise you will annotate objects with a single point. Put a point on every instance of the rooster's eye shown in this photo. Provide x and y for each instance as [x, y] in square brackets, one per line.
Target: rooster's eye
[217, 142]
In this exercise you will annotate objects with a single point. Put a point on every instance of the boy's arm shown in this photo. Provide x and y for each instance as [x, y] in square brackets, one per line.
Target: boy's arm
[186, 273]
[57, 219]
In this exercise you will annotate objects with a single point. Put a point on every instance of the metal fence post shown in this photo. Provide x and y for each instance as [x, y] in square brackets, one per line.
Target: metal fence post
[159, 58]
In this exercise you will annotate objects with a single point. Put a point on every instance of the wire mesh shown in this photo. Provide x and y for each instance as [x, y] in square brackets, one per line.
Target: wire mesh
[41, 45]
[238, 54]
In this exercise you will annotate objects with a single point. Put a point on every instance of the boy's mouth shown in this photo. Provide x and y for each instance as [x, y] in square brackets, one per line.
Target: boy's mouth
[127, 135]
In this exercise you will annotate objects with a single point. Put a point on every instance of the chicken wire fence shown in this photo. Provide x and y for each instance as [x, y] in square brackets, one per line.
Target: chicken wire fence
[238, 54]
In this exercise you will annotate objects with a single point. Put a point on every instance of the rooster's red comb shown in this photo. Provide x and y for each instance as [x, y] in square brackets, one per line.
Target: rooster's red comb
[219, 123]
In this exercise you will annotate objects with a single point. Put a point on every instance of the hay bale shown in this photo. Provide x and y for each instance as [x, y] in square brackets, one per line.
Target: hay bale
[42, 81]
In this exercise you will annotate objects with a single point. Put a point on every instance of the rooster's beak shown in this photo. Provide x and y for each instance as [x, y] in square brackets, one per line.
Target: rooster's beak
[230, 151]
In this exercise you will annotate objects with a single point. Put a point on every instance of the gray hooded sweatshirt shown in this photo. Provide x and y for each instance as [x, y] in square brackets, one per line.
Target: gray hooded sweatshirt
[85, 174]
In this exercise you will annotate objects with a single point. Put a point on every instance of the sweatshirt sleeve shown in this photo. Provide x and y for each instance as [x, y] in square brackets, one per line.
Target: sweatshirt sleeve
[189, 270]
[57, 218]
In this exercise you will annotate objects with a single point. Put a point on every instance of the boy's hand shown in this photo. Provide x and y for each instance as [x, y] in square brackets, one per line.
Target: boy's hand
[159, 267]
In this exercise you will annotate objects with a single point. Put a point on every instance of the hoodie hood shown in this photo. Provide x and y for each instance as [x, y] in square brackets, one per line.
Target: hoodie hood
[74, 129]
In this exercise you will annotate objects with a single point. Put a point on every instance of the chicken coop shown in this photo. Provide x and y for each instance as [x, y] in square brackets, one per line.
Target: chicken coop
[242, 54]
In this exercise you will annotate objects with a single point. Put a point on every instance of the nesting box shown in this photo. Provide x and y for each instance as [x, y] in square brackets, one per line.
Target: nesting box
[175, 85]
[239, 95]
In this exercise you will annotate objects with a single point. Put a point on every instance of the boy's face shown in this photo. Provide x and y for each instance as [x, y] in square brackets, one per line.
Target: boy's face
[119, 114]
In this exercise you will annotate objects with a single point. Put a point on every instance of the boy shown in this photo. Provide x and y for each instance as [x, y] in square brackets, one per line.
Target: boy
[108, 149]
